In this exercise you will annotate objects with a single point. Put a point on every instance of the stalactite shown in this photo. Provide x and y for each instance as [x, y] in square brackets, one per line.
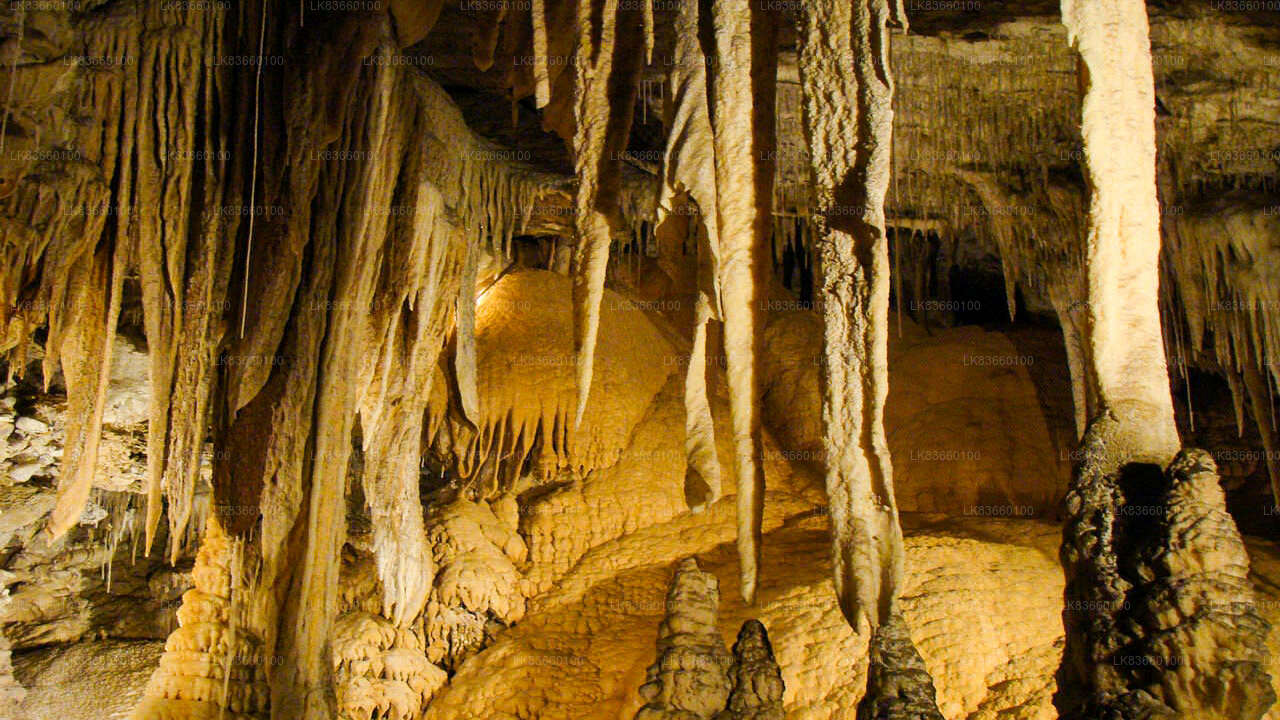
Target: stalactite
[366, 196]
[848, 120]
[606, 74]
[594, 64]
[1260, 408]
[741, 112]
[58, 240]
[689, 174]
[541, 77]
[1124, 338]
[86, 365]
[183, 303]
[1218, 293]
[528, 387]
[465, 357]
[414, 19]
[702, 477]
[415, 303]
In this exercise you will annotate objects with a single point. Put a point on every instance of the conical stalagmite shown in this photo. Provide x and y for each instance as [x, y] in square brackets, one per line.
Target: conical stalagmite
[690, 676]
[757, 679]
[898, 684]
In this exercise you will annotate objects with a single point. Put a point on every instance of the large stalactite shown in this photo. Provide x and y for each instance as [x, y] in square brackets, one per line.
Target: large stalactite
[741, 113]
[606, 66]
[848, 117]
[689, 181]
[1125, 342]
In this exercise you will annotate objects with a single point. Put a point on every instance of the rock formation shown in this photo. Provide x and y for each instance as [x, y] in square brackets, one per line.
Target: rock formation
[898, 685]
[382, 359]
[849, 125]
[757, 680]
[690, 678]
[1160, 616]
[694, 676]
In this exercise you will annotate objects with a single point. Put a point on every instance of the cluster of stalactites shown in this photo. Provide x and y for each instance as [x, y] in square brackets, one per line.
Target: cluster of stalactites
[57, 220]
[1217, 300]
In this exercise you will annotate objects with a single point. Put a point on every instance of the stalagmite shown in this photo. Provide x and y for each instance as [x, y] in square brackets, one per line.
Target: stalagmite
[690, 676]
[1160, 619]
[212, 662]
[741, 112]
[757, 679]
[848, 120]
[898, 685]
[1124, 339]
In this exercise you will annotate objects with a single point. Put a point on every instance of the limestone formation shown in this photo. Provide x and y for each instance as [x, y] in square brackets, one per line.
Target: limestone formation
[383, 359]
[898, 685]
[849, 124]
[690, 678]
[1160, 617]
[757, 680]
[693, 675]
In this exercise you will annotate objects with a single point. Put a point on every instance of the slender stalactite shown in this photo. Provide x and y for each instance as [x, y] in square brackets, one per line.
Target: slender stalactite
[848, 119]
[689, 177]
[464, 361]
[541, 76]
[742, 89]
[595, 171]
[702, 477]
[607, 66]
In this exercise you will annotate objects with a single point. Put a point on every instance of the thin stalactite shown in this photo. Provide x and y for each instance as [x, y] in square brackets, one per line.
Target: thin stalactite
[741, 114]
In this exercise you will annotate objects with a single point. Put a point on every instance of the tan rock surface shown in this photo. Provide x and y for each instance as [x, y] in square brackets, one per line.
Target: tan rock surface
[969, 427]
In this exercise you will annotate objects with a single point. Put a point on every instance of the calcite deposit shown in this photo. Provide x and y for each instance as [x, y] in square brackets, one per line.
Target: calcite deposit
[719, 360]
